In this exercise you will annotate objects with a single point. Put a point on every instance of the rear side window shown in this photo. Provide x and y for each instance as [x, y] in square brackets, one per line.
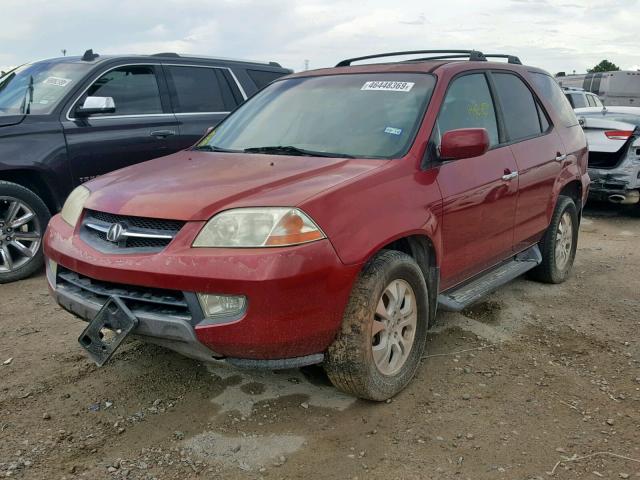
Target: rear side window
[594, 101]
[134, 90]
[263, 78]
[468, 104]
[199, 90]
[550, 90]
[578, 100]
[519, 108]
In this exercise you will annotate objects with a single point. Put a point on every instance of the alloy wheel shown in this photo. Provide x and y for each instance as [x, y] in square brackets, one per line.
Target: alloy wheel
[564, 241]
[394, 327]
[20, 234]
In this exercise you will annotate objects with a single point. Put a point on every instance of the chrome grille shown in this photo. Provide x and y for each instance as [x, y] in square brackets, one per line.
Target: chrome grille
[136, 234]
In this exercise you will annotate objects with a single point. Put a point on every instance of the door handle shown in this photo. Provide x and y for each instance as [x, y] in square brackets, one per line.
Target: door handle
[509, 176]
[162, 133]
[560, 157]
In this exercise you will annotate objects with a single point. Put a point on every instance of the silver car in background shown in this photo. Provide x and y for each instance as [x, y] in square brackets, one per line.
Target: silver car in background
[580, 98]
[613, 135]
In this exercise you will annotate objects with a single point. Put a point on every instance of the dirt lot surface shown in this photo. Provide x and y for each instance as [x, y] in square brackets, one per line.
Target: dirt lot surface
[535, 375]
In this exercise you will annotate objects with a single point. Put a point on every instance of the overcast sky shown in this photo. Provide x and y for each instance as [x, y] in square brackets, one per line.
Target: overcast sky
[558, 35]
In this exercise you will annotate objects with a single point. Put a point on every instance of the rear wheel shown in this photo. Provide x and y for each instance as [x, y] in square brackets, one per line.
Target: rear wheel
[23, 219]
[558, 246]
[384, 329]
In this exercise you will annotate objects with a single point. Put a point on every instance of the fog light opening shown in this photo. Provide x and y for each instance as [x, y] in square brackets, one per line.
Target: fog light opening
[214, 306]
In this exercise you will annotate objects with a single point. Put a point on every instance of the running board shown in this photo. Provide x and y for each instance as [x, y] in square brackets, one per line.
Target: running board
[460, 297]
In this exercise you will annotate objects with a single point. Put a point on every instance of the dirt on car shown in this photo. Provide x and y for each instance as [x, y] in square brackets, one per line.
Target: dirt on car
[538, 381]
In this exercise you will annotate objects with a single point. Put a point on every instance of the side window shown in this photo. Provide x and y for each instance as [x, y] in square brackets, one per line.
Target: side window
[544, 121]
[591, 100]
[468, 104]
[568, 95]
[262, 78]
[134, 90]
[521, 118]
[579, 100]
[199, 90]
[551, 91]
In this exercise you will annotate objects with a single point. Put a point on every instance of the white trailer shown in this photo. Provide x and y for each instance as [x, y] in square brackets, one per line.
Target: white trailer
[620, 88]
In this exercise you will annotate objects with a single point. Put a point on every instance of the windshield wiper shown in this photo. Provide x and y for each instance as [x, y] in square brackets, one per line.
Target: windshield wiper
[291, 150]
[213, 148]
[25, 107]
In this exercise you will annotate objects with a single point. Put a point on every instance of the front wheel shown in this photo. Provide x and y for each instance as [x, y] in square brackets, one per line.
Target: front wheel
[23, 219]
[558, 246]
[384, 329]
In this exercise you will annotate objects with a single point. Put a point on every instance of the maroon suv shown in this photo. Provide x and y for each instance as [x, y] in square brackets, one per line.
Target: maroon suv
[328, 218]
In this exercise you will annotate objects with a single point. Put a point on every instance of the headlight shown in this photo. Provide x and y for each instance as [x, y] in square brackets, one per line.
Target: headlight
[74, 205]
[258, 227]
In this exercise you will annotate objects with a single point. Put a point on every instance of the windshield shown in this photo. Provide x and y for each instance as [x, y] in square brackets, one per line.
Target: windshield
[360, 115]
[37, 88]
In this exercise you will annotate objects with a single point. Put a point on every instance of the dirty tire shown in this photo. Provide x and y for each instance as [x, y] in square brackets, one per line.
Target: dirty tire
[349, 361]
[548, 271]
[43, 215]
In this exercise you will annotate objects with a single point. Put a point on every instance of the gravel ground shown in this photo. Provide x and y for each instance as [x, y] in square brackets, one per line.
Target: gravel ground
[537, 381]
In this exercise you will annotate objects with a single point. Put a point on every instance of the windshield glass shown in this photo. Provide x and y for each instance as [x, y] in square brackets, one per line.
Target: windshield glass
[361, 115]
[38, 87]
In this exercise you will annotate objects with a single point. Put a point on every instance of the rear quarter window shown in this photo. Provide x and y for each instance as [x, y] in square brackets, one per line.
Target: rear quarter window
[199, 90]
[549, 89]
[262, 78]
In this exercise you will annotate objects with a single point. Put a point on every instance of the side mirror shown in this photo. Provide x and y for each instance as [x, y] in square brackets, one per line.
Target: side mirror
[95, 105]
[464, 143]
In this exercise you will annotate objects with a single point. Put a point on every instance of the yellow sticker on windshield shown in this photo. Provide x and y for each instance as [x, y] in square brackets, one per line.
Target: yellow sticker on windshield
[479, 109]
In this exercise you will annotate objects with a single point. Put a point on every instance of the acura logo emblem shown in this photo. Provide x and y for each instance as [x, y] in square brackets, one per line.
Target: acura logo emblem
[116, 232]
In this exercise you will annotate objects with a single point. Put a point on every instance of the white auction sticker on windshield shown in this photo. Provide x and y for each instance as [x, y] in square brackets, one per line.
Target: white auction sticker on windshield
[388, 86]
[57, 81]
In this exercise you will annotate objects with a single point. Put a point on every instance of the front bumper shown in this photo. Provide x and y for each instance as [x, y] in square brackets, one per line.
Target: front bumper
[296, 295]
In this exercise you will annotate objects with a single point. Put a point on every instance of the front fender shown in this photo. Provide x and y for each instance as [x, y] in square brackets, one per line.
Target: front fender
[393, 202]
[36, 146]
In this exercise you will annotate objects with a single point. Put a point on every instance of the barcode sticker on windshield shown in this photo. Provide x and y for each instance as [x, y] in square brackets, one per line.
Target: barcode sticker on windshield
[388, 86]
[57, 81]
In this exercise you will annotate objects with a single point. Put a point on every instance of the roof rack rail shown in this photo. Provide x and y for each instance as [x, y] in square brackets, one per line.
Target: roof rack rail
[473, 55]
[166, 54]
[510, 58]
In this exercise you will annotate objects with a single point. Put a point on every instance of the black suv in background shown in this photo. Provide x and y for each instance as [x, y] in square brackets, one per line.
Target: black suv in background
[66, 120]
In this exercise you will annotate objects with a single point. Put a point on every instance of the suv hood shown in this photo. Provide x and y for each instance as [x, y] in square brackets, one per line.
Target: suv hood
[193, 185]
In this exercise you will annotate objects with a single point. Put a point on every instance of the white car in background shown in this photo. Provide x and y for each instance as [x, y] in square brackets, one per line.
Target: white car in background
[613, 135]
[580, 98]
